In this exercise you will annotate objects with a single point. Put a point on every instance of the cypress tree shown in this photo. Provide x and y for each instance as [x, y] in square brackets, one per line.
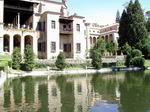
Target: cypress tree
[123, 29]
[29, 58]
[133, 29]
[60, 62]
[16, 58]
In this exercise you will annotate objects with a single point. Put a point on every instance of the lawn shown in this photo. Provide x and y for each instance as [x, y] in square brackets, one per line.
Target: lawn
[147, 63]
[4, 59]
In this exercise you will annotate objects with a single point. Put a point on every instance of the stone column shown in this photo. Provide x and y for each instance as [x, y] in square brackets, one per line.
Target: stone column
[35, 45]
[11, 44]
[18, 20]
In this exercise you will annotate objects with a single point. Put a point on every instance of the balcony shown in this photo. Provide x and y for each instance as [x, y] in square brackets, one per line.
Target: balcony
[66, 31]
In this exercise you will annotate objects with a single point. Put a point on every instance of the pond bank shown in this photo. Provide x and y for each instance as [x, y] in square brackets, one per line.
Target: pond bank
[14, 73]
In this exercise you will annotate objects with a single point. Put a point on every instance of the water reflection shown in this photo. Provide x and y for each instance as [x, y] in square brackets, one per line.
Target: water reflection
[122, 92]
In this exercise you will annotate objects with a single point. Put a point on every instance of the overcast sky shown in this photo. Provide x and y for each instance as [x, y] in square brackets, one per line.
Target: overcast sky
[100, 11]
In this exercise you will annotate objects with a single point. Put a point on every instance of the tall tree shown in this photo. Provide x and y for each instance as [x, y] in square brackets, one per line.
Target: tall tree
[96, 53]
[148, 21]
[29, 58]
[135, 31]
[118, 17]
[123, 29]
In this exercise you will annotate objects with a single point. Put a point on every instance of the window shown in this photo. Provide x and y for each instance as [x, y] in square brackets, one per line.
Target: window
[67, 47]
[53, 24]
[41, 26]
[41, 46]
[78, 47]
[53, 47]
[78, 27]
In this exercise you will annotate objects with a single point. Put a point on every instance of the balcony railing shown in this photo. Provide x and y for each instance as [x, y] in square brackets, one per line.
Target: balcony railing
[66, 31]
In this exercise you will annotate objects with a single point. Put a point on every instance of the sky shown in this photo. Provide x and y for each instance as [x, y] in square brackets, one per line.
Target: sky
[100, 11]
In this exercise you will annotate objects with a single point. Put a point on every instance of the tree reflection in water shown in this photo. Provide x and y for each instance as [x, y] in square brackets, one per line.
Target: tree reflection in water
[120, 92]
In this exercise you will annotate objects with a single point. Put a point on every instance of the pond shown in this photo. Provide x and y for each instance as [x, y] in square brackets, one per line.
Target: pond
[113, 92]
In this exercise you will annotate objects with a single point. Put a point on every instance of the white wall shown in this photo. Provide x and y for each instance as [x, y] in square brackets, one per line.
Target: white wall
[52, 35]
[1, 24]
[47, 6]
[79, 37]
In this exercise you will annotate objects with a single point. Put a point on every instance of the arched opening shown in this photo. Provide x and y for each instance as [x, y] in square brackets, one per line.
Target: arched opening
[17, 41]
[94, 40]
[98, 38]
[28, 40]
[106, 38]
[90, 40]
[103, 37]
[110, 37]
[6, 43]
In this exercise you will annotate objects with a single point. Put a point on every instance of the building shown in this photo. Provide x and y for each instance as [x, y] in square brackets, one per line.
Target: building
[47, 26]
[44, 24]
[94, 32]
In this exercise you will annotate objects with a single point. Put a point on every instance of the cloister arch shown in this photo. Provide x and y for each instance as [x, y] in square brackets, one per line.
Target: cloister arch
[90, 40]
[106, 38]
[94, 40]
[110, 37]
[6, 45]
[28, 40]
[17, 41]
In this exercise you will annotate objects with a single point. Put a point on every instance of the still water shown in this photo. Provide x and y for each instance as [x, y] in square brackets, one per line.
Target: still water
[115, 92]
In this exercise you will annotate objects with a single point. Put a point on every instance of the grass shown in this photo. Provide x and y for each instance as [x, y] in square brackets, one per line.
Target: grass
[147, 63]
[4, 60]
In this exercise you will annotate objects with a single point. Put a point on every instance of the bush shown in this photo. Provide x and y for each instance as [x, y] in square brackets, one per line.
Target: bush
[134, 59]
[96, 59]
[137, 62]
[126, 49]
[60, 62]
[29, 58]
[136, 53]
[16, 58]
[96, 53]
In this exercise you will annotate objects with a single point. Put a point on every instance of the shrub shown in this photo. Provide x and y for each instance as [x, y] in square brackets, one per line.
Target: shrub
[137, 62]
[126, 49]
[96, 59]
[136, 53]
[29, 58]
[60, 61]
[16, 58]
[96, 53]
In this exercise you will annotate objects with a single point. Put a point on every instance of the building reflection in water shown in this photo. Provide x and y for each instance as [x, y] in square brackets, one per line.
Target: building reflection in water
[57, 94]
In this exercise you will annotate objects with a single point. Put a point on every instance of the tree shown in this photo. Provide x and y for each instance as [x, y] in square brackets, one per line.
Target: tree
[123, 29]
[134, 58]
[111, 47]
[16, 58]
[132, 26]
[96, 53]
[118, 17]
[126, 49]
[60, 62]
[148, 21]
[29, 62]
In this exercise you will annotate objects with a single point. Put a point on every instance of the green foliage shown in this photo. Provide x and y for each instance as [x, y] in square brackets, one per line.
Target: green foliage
[111, 47]
[136, 53]
[137, 61]
[126, 49]
[29, 58]
[16, 58]
[96, 59]
[134, 58]
[146, 47]
[60, 62]
[96, 53]
[132, 26]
